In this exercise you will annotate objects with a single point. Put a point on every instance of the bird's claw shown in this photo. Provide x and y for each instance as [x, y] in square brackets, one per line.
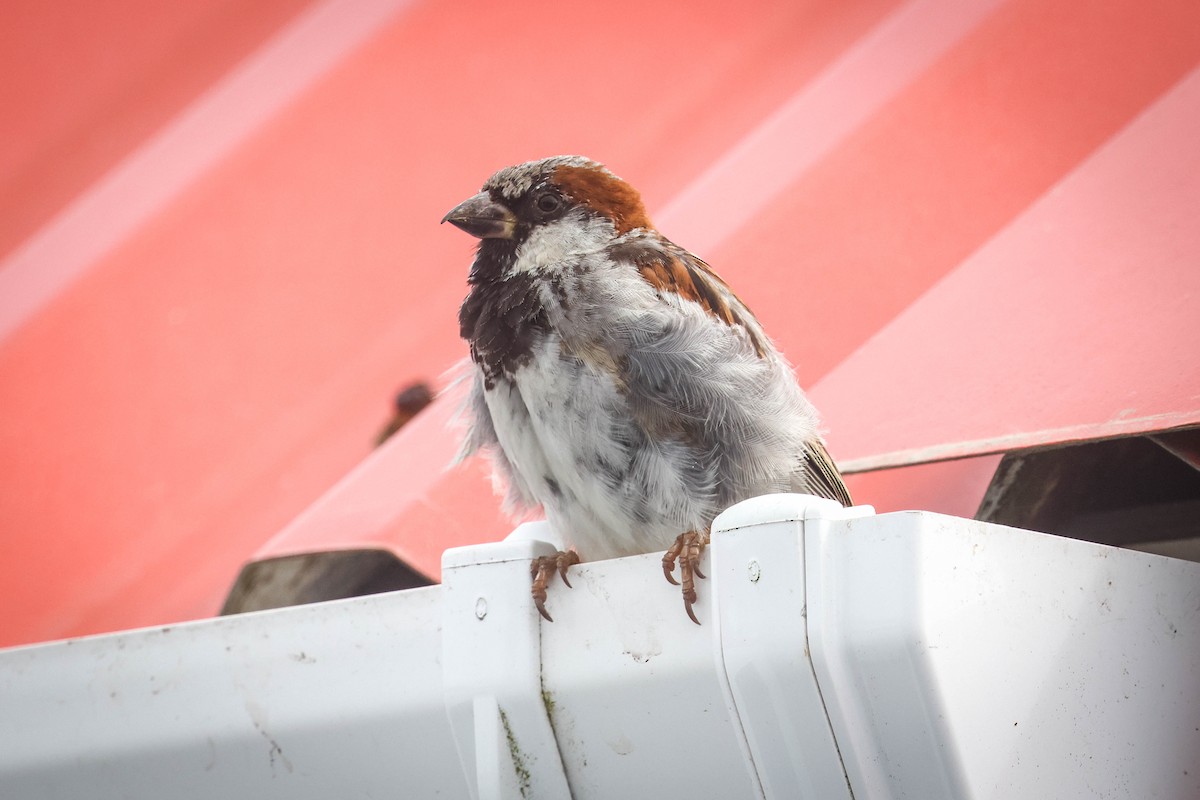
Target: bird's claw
[668, 560]
[686, 550]
[541, 568]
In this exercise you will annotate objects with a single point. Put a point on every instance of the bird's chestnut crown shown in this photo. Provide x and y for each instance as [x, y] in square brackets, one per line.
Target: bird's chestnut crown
[538, 192]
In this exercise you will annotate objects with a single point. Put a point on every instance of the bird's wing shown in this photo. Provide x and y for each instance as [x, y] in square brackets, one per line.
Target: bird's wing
[682, 384]
[669, 268]
[677, 367]
[679, 373]
[821, 476]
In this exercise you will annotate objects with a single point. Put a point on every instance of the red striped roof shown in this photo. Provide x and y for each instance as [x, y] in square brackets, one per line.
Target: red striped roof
[970, 225]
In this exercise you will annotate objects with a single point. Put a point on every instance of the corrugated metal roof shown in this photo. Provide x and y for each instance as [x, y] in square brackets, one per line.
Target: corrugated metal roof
[968, 225]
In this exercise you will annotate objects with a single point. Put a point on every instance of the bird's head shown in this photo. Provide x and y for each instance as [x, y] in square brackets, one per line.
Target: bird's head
[542, 211]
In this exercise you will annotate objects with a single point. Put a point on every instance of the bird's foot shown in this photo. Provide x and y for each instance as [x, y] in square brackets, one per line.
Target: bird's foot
[542, 568]
[687, 549]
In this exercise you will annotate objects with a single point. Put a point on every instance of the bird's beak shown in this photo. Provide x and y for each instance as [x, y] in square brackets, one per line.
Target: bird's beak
[483, 217]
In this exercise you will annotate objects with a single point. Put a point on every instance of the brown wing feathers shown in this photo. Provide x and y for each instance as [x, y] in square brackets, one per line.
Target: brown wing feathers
[673, 275]
[690, 278]
[677, 271]
[821, 476]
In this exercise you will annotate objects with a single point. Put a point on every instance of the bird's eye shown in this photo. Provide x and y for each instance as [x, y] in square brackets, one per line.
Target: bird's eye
[548, 203]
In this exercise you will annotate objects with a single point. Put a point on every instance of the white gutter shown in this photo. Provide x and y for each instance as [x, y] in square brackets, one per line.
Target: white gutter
[842, 655]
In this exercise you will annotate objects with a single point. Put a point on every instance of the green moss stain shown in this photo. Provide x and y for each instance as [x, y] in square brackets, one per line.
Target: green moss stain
[518, 758]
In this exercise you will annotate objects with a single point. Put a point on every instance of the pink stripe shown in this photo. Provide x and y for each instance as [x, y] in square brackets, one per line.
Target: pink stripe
[1076, 321]
[774, 155]
[120, 202]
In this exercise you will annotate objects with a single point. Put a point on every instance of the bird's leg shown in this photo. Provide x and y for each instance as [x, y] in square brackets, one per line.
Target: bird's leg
[541, 568]
[686, 550]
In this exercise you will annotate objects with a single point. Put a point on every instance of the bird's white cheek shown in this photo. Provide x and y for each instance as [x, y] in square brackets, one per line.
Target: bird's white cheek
[550, 244]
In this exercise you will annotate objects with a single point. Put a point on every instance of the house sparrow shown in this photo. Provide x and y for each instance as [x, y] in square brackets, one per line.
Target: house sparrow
[616, 380]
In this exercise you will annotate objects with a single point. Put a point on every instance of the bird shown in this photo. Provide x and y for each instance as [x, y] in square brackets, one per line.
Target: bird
[615, 380]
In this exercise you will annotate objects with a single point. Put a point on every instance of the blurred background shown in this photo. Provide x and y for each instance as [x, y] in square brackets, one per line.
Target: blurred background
[970, 224]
